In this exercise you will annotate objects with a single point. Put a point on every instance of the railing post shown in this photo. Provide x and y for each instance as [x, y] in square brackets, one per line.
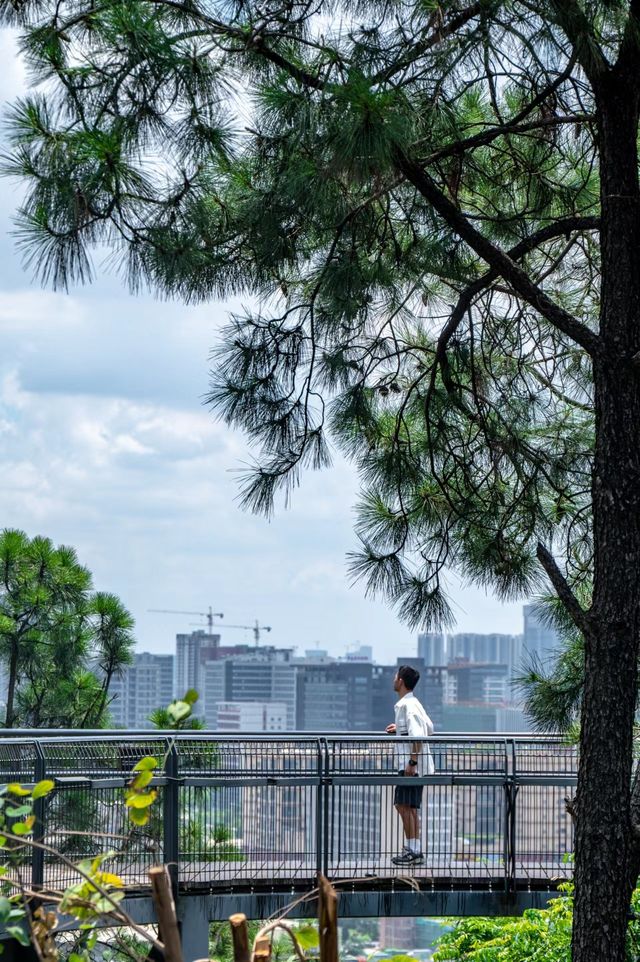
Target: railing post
[170, 816]
[325, 809]
[319, 808]
[511, 792]
[39, 808]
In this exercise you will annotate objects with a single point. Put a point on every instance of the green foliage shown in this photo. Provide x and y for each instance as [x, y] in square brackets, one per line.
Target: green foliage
[342, 206]
[553, 689]
[208, 843]
[221, 943]
[17, 822]
[51, 626]
[178, 715]
[540, 935]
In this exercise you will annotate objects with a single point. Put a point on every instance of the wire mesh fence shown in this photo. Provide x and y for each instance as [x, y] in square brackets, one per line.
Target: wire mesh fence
[262, 812]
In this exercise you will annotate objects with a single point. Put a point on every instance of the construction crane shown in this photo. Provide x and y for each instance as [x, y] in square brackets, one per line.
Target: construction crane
[209, 615]
[256, 628]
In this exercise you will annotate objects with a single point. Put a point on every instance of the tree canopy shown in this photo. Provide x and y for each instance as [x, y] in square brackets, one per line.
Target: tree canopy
[316, 164]
[60, 642]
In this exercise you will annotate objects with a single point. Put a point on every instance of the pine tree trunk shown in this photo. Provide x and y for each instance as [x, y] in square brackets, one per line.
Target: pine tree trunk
[605, 854]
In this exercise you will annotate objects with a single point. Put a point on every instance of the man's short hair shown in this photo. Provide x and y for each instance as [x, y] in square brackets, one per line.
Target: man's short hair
[410, 676]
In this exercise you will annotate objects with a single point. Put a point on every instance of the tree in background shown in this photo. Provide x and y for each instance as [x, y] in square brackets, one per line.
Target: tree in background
[437, 208]
[61, 643]
[164, 720]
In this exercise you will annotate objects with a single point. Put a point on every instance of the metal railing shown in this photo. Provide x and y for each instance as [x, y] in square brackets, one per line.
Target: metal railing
[259, 812]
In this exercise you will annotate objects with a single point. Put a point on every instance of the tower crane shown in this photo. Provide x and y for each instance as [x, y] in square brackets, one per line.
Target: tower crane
[256, 628]
[209, 615]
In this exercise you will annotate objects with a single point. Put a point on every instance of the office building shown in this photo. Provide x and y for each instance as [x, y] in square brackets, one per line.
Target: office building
[251, 716]
[363, 653]
[432, 648]
[142, 687]
[257, 675]
[469, 718]
[483, 684]
[334, 697]
[497, 649]
[512, 719]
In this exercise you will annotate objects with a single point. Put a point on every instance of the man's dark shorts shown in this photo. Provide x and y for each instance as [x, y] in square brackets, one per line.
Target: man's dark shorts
[410, 795]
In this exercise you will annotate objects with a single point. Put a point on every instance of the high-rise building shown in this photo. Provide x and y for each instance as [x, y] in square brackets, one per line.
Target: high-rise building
[193, 652]
[496, 649]
[143, 686]
[539, 640]
[258, 675]
[432, 648]
[334, 697]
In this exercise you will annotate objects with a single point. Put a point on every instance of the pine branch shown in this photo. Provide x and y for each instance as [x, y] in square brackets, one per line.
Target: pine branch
[440, 33]
[577, 27]
[559, 228]
[579, 616]
[497, 258]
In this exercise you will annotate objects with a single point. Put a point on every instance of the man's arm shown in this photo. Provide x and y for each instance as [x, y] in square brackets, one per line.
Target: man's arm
[414, 728]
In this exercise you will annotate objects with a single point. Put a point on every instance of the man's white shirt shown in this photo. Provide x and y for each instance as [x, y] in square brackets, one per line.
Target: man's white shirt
[413, 721]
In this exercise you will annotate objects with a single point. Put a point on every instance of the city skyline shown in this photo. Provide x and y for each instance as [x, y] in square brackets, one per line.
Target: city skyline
[109, 449]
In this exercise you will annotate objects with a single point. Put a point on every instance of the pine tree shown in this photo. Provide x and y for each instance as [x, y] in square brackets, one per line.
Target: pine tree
[53, 630]
[435, 208]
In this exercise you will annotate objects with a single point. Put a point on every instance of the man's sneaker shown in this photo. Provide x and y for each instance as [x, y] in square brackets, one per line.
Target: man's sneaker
[407, 858]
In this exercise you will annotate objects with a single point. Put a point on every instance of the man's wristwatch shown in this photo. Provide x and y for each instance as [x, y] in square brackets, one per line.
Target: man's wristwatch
[412, 761]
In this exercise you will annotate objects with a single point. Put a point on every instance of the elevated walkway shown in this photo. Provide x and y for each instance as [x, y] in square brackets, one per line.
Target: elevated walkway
[245, 823]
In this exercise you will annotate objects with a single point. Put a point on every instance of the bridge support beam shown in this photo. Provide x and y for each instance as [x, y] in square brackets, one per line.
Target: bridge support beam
[194, 915]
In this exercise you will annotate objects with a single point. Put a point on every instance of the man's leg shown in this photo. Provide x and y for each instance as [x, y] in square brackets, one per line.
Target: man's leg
[413, 842]
[405, 813]
[411, 824]
[410, 817]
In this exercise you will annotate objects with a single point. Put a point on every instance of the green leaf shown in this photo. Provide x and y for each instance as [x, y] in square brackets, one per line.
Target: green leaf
[308, 937]
[19, 812]
[146, 764]
[191, 696]
[178, 711]
[19, 934]
[5, 909]
[16, 789]
[142, 801]
[23, 828]
[43, 788]
[139, 816]
[141, 780]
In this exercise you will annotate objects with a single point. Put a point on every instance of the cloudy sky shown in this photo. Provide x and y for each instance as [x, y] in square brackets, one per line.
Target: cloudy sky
[107, 446]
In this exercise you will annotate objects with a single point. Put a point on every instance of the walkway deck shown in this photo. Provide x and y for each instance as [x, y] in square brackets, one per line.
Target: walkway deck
[262, 814]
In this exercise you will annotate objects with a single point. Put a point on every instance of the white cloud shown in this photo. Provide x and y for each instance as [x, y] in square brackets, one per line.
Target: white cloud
[26, 311]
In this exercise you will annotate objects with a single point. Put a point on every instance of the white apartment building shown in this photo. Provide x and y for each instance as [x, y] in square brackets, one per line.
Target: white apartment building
[251, 716]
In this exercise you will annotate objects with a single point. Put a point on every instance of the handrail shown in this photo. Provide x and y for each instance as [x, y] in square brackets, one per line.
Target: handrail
[207, 734]
[285, 805]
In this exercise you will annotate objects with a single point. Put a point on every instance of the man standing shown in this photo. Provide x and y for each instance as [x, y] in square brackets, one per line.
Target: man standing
[411, 760]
